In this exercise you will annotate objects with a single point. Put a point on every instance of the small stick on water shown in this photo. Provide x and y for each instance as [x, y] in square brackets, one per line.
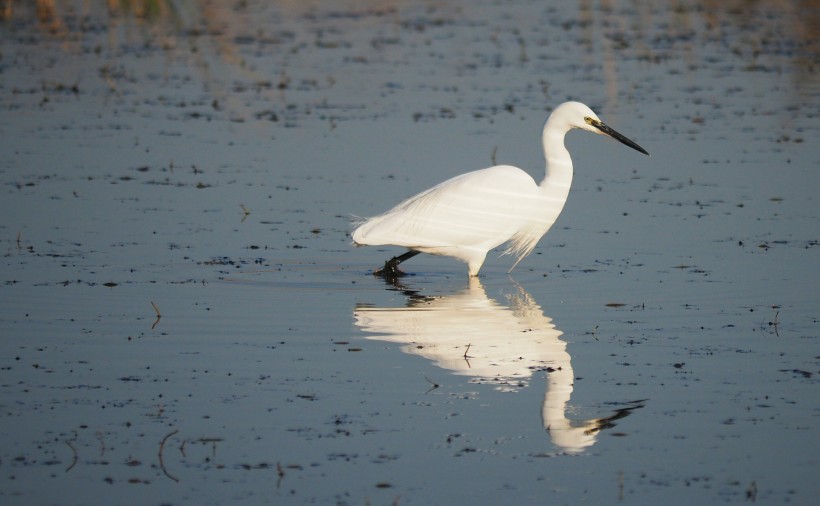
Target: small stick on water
[751, 492]
[433, 383]
[467, 357]
[594, 333]
[495, 149]
[74, 461]
[279, 472]
[161, 463]
[100, 435]
[213, 441]
[775, 323]
[158, 315]
[245, 212]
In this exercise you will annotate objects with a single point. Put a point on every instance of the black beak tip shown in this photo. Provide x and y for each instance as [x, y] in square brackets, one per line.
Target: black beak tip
[618, 137]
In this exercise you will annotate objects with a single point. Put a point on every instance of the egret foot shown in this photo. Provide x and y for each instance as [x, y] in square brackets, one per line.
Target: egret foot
[391, 267]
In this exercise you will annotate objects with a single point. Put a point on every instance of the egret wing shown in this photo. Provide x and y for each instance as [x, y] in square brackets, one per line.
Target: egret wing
[480, 209]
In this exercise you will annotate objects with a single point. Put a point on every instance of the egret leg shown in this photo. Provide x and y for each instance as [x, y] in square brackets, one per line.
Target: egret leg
[391, 267]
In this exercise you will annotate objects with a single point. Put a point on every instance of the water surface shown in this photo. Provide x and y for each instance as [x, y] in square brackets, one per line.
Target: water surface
[203, 163]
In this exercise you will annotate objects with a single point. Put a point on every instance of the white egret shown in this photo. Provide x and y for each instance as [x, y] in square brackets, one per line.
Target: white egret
[468, 215]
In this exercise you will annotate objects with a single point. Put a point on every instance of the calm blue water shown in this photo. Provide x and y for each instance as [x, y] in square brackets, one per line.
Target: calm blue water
[660, 344]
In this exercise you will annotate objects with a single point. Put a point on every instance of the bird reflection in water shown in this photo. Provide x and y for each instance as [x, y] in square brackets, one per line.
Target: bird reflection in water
[470, 334]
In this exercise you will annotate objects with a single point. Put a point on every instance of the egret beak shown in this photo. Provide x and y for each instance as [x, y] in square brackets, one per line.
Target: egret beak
[605, 130]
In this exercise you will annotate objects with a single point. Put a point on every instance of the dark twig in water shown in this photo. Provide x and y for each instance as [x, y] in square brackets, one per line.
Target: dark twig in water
[751, 492]
[159, 316]
[102, 442]
[74, 461]
[161, 463]
[467, 357]
[433, 383]
[280, 471]
[775, 323]
[213, 441]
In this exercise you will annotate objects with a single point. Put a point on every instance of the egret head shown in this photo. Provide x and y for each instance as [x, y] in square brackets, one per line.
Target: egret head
[578, 115]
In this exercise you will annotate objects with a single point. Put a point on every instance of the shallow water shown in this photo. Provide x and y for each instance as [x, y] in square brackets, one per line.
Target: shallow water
[204, 163]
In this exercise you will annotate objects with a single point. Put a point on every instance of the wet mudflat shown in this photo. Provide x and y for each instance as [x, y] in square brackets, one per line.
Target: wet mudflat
[184, 320]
